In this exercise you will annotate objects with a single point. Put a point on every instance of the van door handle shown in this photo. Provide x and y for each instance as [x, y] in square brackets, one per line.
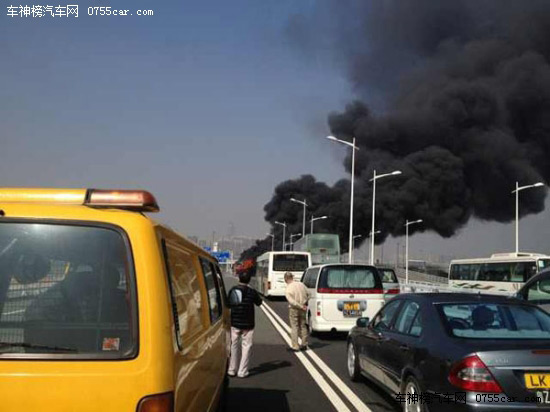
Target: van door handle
[404, 348]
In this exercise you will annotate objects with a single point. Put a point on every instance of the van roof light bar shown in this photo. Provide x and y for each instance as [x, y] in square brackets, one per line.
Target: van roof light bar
[136, 200]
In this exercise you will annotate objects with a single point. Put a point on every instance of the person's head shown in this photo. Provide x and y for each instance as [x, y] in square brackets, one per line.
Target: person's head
[244, 277]
[289, 277]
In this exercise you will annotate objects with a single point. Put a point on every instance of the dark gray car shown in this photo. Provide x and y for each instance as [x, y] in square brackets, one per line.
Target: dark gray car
[456, 352]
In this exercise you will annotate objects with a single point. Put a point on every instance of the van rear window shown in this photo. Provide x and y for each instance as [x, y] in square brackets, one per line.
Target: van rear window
[65, 290]
[349, 277]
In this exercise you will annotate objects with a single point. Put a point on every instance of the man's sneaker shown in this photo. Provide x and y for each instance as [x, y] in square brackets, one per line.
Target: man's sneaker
[244, 375]
[230, 374]
[304, 347]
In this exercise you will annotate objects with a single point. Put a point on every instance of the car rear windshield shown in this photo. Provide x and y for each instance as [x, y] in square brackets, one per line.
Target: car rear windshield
[65, 290]
[349, 277]
[496, 321]
[290, 263]
[388, 275]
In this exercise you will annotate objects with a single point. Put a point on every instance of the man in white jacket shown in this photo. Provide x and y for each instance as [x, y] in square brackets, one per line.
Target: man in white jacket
[297, 297]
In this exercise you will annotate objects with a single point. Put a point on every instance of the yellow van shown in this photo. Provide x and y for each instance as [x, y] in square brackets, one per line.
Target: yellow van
[102, 309]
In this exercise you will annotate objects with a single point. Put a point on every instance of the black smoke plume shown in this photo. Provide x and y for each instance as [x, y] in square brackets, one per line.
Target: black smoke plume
[465, 87]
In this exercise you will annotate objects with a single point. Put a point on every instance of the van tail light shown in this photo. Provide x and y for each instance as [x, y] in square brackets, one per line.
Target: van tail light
[471, 374]
[347, 291]
[318, 308]
[163, 402]
[392, 291]
[268, 284]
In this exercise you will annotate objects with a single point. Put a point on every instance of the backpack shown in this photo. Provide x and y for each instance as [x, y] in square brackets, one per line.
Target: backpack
[235, 296]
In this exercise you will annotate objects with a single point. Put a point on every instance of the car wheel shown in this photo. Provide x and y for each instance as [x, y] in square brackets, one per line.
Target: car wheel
[412, 402]
[353, 363]
[310, 330]
[222, 403]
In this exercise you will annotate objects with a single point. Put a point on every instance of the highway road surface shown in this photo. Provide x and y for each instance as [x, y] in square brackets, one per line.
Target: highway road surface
[315, 380]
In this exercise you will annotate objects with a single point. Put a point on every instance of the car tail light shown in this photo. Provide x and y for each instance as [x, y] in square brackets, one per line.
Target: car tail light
[138, 200]
[318, 308]
[163, 402]
[392, 291]
[471, 374]
[344, 291]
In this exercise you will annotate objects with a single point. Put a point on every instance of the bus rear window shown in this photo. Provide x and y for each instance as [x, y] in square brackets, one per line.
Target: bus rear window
[290, 263]
[65, 290]
[349, 277]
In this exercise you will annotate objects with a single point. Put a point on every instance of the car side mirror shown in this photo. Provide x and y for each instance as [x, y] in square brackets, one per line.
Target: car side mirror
[362, 322]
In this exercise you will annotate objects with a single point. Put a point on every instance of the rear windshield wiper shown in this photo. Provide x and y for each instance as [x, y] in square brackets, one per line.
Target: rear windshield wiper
[35, 346]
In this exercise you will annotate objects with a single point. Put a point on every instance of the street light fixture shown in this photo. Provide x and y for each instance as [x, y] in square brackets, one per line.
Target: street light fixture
[354, 148]
[313, 219]
[518, 189]
[284, 232]
[291, 237]
[272, 240]
[407, 247]
[373, 180]
[304, 216]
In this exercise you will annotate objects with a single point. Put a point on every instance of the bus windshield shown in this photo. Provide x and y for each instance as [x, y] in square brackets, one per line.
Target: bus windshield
[290, 263]
[329, 244]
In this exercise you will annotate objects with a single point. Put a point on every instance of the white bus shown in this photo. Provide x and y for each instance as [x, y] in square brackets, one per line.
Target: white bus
[502, 272]
[272, 266]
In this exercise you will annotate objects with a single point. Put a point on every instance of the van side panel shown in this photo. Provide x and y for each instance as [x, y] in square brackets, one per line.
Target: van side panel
[199, 364]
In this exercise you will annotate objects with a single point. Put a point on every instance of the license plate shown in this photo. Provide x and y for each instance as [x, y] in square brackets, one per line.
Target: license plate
[352, 309]
[537, 380]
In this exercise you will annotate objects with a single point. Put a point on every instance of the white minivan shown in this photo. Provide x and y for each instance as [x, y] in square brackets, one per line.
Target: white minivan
[341, 293]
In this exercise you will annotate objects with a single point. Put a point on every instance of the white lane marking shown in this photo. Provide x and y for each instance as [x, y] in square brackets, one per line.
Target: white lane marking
[348, 393]
[333, 397]
[14, 312]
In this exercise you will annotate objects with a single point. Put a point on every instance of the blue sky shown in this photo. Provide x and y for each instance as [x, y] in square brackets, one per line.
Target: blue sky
[206, 104]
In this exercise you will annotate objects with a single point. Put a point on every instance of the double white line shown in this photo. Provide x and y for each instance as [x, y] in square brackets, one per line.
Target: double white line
[334, 398]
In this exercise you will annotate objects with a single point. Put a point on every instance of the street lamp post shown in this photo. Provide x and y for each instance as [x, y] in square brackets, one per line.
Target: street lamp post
[518, 189]
[355, 237]
[304, 216]
[354, 148]
[284, 232]
[407, 247]
[373, 180]
[272, 241]
[313, 219]
[371, 235]
[291, 237]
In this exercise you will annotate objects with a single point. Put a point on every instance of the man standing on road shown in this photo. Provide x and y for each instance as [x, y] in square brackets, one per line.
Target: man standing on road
[242, 299]
[297, 297]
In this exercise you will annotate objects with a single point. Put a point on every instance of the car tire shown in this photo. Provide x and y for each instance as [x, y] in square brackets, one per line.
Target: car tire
[354, 371]
[412, 387]
[310, 330]
[222, 402]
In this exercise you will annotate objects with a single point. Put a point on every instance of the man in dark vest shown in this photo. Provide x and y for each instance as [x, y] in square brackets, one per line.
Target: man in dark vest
[242, 299]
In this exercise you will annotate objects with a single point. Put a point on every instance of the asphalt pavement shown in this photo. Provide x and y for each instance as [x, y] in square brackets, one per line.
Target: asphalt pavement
[314, 380]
